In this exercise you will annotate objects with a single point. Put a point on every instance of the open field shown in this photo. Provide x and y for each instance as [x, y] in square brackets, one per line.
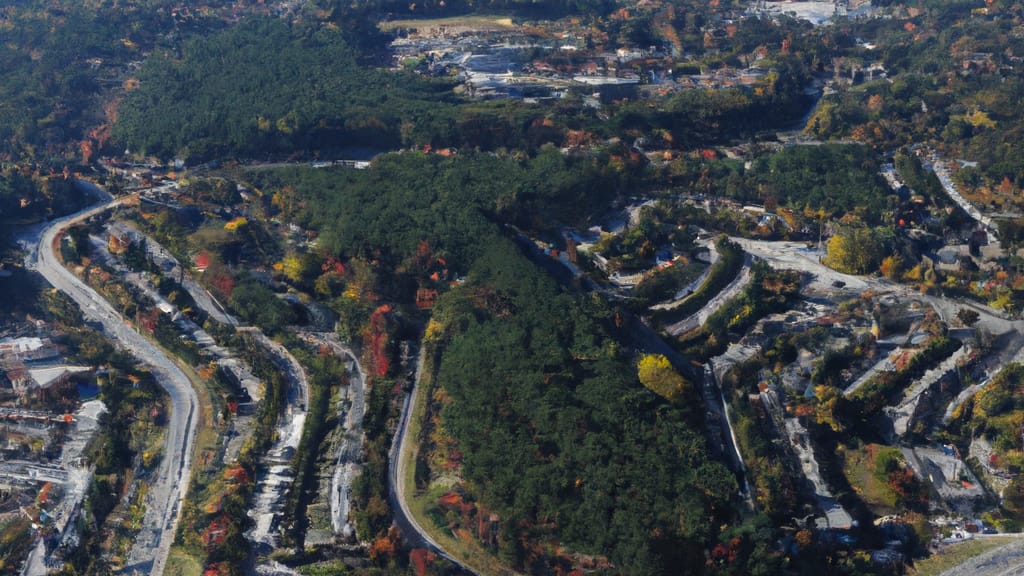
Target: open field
[181, 564]
[453, 24]
[859, 467]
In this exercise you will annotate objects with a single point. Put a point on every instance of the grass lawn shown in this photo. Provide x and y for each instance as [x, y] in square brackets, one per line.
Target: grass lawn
[180, 563]
[956, 554]
[859, 468]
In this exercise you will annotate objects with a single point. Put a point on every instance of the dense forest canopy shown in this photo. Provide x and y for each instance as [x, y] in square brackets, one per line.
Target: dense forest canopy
[453, 204]
[263, 87]
[557, 432]
[837, 179]
[546, 406]
[268, 88]
[48, 88]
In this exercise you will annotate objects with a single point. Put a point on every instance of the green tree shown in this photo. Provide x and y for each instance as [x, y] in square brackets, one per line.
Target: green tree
[258, 304]
[967, 317]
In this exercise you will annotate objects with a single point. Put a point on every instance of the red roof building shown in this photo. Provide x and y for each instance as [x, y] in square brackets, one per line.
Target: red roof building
[202, 261]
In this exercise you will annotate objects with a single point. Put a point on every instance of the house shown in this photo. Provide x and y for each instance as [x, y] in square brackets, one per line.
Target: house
[46, 382]
[948, 257]
[117, 244]
[202, 262]
[17, 375]
[121, 237]
[425, 298]
[28, 349]
[610, 88]
[628, 54]
[46, 378]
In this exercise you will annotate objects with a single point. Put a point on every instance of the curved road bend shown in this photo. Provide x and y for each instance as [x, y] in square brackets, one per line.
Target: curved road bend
[289, 426]
[169, 486]
[404, 519]
[698, 318]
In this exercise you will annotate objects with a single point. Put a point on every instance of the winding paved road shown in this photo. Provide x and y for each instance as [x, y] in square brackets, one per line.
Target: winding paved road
[404, 518]
[698, 318]
[272, 485]
[169, 485]
[938, 166]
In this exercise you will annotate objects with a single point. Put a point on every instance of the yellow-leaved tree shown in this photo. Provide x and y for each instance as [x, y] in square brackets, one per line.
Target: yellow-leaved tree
[829, 400]
[301, 268]
[658, 375]
[857, 250]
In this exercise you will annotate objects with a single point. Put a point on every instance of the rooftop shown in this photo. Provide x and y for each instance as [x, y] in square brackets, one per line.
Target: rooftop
[46, 377]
